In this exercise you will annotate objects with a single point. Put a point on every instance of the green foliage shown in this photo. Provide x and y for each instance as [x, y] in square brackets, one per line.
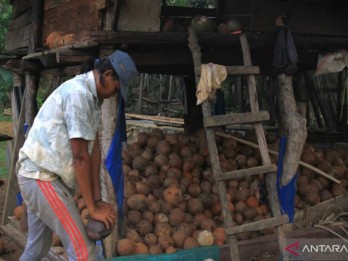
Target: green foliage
[5, 16]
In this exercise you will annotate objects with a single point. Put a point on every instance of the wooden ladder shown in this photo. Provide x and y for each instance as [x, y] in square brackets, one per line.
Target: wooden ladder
[254, 117]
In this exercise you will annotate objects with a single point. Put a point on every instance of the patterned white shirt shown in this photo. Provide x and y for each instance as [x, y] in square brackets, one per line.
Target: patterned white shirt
[71, 111]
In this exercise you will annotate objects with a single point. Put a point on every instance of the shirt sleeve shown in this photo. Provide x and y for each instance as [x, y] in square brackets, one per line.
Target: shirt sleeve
[77, 109]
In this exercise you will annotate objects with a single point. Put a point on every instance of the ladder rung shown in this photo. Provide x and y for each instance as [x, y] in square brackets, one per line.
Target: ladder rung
[242, 70]
[246, 172]
[235, 118]
[258, 225]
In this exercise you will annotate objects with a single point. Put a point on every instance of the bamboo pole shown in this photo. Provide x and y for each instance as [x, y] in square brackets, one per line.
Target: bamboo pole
[303, 164]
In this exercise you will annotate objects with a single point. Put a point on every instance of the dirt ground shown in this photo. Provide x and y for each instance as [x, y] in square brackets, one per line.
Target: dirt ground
[6, 128]
[12, 250]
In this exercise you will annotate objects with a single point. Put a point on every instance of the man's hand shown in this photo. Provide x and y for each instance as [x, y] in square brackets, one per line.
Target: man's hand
[105, 213]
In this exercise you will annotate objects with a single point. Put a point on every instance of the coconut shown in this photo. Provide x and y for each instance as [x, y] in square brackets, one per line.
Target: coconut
[179, 237]
[141, 248]
[136, 202]
[144, 227]
[151, 239]
[155, 249]
[190, 242]
[125, 247]
[176, 216]
[205, 238]
[172, 195]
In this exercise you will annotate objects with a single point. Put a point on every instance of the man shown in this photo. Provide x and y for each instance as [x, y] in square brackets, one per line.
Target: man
[62, 152]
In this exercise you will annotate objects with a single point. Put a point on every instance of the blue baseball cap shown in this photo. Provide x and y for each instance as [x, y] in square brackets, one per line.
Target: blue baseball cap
[125, 68]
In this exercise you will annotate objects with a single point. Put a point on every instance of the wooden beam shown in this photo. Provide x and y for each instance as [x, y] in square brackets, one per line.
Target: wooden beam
[12, 185]
[246, 172]
[258, 225]
[38, 12]
[235, 118]
[242, 70]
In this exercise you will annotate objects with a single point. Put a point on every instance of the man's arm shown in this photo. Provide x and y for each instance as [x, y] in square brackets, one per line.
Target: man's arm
[96, 159]
[84, 178]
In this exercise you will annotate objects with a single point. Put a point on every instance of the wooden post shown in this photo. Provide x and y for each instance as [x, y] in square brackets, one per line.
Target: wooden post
[31, 107]
[37, 22]
[12, 184]
[293, 125]
[239, 93]
[312, 89]
[312, 98]
[141, 86]
[206, 110]
[108, 121]
[266, 160]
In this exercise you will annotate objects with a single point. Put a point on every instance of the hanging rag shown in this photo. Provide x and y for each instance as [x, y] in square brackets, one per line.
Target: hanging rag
[285, 53]
[113, 162]
[287, 192]
[212, 75]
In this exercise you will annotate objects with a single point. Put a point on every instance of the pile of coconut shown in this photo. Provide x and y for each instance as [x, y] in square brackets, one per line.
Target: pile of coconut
[171, 199]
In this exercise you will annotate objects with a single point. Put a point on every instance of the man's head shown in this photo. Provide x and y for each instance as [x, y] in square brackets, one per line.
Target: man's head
[115, 72]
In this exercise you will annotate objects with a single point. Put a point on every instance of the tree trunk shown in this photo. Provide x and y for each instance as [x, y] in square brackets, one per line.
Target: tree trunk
[108, 123]
[293, 125]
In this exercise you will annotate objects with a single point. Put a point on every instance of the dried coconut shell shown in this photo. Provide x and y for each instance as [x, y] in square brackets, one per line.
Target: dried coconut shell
[151, 239]
[194, 206]
[176, 217]
[133, 235]
[155, 249]
[136, 202]
[154, 206]
[141, 248]
[170, 250]
[179, 237]
[172, 195]
[165, 241]
[125, 247]
[163, 228]
[190, 242]
[133, 217]
[205, 238]
[144, 227]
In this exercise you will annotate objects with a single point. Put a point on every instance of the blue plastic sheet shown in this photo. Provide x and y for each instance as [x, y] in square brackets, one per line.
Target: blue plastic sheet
[113, 161]
[286, 193]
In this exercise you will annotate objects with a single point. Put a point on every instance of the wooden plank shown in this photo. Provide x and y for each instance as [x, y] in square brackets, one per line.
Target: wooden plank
[246, 172]
[258, 225]
[70, 17]
[242, 70]
[17, 236]
[306, 17]
[269, 243]
[271, 178]
[12, 186]
[54, 254]
[18, 38]
[49, 4]
[314, 214]
[63, 49]
[19, 7]
[20, 21]
[156, 118]
[213, 152]
[102, 4]
[235, 118]
[139, 15]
